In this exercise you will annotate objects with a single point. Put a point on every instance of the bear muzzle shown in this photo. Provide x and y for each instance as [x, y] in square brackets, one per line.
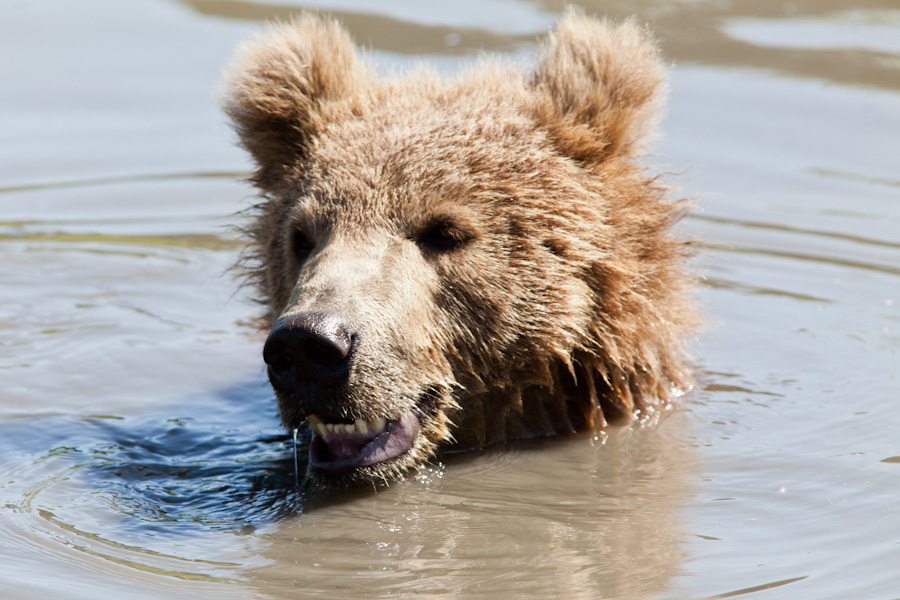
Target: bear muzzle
[310, 357]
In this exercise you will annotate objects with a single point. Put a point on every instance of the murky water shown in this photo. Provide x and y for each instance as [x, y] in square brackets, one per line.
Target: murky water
[140, 451]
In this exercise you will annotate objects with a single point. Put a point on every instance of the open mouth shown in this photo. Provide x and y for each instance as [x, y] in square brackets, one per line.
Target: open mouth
[341, 444]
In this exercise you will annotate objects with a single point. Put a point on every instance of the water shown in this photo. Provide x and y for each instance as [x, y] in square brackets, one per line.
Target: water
[296, 450]
[140, 450]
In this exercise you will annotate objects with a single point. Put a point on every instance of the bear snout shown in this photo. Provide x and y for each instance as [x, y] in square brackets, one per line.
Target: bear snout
[312, 350]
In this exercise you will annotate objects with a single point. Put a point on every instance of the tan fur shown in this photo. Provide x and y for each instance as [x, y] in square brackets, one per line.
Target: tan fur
[566, 304]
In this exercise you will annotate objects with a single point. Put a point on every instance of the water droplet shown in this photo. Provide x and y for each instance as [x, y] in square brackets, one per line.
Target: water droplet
[296, 462]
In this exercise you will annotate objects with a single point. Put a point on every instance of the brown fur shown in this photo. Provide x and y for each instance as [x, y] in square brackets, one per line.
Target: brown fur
[562, 302]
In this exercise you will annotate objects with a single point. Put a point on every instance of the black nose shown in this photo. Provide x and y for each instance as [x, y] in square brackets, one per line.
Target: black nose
[308, 349]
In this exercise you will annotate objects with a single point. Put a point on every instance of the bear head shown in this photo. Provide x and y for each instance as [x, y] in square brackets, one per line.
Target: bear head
[451, 262]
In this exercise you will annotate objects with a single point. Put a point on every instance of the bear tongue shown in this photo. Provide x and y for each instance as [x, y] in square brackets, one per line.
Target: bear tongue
[343, 446]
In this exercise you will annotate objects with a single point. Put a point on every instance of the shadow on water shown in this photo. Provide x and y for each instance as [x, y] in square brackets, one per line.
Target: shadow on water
[216, 462]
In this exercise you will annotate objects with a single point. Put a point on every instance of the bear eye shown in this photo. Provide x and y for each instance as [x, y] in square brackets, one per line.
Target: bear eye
[442, 236]
[301, 244]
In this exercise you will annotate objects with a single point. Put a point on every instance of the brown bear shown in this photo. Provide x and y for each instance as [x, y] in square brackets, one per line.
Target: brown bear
[449, 263]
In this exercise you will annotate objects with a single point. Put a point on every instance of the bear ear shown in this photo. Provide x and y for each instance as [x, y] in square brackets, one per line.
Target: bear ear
[279, 86]
[598, 86]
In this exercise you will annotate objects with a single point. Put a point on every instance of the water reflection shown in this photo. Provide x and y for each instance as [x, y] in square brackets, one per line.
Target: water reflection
[387, 33]
[136, 179]
[697, 32]
[511, 521]
[794, 230]
[553, 517]
[839, 174]
[107, 243]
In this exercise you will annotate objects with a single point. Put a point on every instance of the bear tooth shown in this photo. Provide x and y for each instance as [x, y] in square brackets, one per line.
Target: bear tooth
[350, 427]
[313, 421]
[361, 426]
[329, 427]
[320, 427]
[378, 423]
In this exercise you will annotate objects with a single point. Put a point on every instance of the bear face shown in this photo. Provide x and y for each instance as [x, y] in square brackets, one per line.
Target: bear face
[451, 263]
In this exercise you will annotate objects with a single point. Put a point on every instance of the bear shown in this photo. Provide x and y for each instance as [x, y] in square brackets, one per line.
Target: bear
[450, 262]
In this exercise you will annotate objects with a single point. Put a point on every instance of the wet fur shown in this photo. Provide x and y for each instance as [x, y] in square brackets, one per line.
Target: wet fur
[566, 304]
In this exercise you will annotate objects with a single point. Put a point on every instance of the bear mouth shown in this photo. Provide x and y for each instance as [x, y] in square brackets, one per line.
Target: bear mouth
[340, 445]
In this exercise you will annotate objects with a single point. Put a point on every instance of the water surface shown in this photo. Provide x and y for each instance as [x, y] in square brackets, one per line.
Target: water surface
[140, 450]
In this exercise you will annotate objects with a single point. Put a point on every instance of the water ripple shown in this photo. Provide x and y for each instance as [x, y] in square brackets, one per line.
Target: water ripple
[147, 178]
[219, 462]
